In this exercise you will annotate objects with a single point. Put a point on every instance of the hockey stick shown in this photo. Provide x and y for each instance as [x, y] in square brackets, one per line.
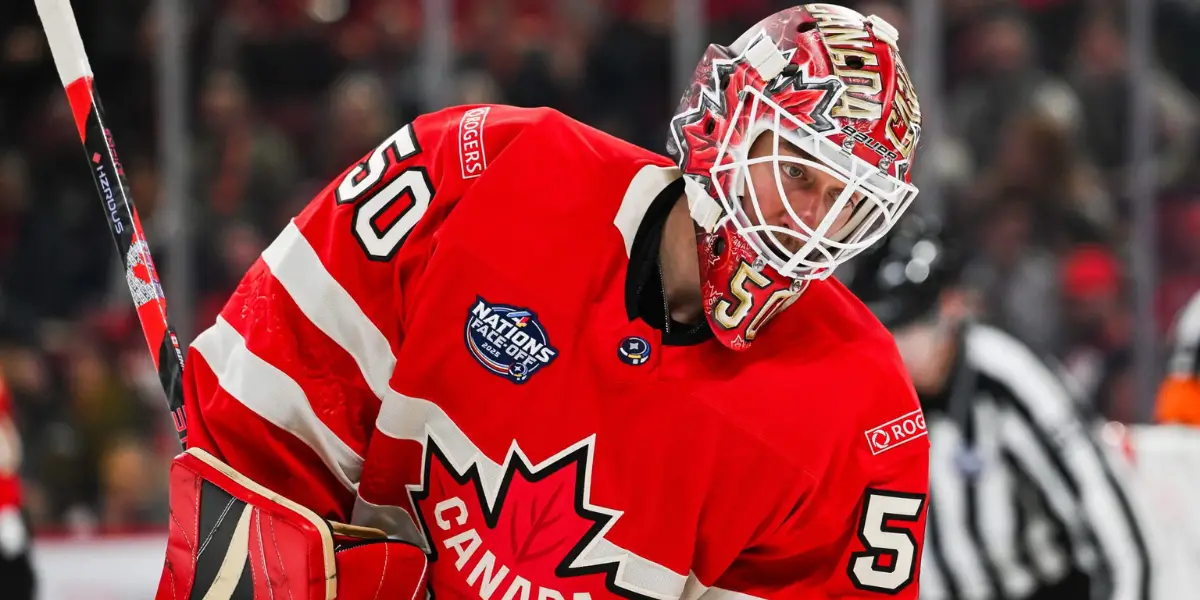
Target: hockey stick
[58, 21]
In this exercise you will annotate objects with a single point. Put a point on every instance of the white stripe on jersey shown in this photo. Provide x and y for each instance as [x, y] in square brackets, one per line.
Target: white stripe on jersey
[995, 497]
[295, 264]
[642, 190]
[1186, 342]
[330, 308]
[1031, 457]
[1051, 408]
[275, 397]
[693, 589]
[720, 594]
[948, 501]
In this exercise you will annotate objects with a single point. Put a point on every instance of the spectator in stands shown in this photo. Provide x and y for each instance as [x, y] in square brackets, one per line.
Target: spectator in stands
[16, 569]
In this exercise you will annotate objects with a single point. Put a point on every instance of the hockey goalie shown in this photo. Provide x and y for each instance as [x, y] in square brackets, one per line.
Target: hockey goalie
[507, 356]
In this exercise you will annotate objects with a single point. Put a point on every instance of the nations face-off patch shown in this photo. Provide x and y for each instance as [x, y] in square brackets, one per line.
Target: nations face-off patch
[508, 341]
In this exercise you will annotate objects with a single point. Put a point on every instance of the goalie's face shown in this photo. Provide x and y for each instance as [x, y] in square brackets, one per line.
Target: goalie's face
[797, 141]
[786, 191]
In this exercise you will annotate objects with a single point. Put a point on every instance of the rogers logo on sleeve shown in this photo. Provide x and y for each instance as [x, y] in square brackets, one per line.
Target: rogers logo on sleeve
[471, 155]
[901, 430]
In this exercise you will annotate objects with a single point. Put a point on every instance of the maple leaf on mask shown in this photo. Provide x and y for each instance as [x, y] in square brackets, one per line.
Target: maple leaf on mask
[807, 100]
[802, 104]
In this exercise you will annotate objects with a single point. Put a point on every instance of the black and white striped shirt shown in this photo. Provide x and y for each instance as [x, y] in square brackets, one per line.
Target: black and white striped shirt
[1184, 361]
[1023, 502]
[1179, 395]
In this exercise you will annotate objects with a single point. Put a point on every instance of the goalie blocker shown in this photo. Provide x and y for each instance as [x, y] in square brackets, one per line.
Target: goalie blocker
[233, 539]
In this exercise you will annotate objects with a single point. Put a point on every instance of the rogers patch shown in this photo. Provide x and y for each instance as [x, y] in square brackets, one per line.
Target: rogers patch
[901, 430]
[471, 155]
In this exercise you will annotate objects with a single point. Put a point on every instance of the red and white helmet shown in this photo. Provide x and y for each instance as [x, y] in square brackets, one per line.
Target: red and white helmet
[829, 81]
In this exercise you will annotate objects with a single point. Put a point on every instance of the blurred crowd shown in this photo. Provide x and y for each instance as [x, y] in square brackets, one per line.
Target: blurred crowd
[284, 94]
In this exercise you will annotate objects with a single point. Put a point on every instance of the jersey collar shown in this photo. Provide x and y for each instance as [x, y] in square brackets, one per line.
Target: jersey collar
[643, 287]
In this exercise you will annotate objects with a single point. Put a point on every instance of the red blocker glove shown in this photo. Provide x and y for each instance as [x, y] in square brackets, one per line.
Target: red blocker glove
[232, 539]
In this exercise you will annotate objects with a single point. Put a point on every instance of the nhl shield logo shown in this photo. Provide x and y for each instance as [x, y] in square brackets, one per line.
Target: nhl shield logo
[508, 341]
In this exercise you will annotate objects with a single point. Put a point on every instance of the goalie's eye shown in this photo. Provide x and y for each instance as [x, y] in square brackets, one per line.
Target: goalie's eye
[792, 171]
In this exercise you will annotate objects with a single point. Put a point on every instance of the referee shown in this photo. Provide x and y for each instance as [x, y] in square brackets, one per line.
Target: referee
[1022, 502]
[1179, 394]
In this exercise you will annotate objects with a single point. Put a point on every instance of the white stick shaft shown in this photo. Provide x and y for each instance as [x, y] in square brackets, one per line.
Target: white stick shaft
[66, 45]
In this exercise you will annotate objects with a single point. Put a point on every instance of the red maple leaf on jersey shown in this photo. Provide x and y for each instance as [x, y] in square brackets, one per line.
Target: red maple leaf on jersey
[522, 542]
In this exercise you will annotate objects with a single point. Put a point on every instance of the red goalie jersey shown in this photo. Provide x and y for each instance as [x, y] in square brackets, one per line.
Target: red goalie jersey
[445, 345]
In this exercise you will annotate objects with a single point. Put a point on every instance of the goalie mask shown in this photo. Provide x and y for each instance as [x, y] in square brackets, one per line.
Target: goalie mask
[827, 86]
